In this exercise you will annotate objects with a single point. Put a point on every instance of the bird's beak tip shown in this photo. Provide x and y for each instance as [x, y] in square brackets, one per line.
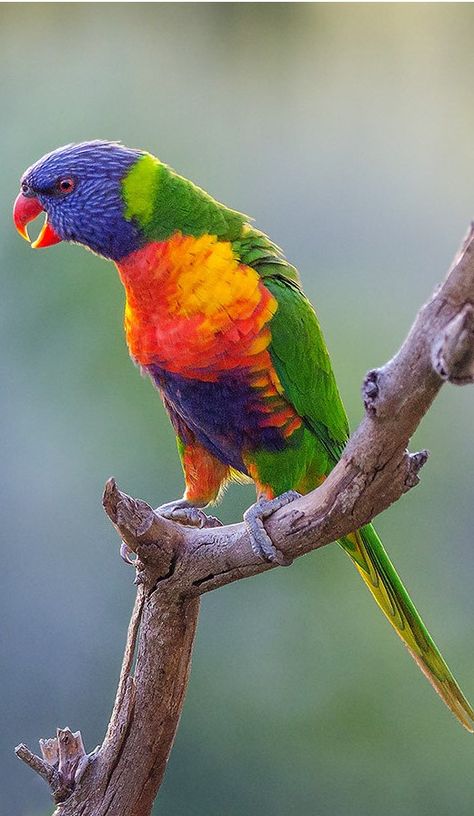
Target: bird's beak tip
[23, 231]
[26, 209]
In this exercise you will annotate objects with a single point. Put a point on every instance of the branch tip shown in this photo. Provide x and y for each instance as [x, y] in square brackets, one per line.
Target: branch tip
[38, 765]
[50, 750]
[110, 498]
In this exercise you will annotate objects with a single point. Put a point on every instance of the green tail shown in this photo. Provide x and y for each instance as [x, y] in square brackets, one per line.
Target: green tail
[367, 552]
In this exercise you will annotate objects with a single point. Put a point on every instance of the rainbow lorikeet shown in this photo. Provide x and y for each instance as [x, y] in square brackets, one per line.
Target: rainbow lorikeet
[216, 316]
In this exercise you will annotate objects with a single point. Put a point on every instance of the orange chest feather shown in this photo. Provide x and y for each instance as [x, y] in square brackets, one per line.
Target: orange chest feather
[193, 309]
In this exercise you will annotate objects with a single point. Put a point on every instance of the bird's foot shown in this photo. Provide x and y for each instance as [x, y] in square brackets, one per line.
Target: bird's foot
[262, 545]
[185, 512]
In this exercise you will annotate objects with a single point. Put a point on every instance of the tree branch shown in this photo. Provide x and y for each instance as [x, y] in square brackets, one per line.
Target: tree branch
[176, 564]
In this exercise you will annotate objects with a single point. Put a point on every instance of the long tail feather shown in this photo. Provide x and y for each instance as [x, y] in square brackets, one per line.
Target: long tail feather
[366, 551]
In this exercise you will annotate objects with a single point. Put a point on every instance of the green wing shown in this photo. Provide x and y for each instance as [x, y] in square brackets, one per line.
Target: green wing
[302, 362]
[297, 348]
[255, 249]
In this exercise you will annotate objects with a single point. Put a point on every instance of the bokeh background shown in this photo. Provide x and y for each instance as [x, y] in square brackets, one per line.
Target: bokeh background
[347, 132]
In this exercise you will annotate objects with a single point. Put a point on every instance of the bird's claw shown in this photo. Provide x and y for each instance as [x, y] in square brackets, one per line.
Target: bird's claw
[183, 512]
[125, 554]
[262, 545]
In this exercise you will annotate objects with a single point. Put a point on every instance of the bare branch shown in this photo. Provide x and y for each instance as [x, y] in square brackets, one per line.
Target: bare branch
[176, 564]
[40, 766]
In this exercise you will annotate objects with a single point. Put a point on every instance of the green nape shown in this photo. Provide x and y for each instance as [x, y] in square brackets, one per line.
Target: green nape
[163, 203]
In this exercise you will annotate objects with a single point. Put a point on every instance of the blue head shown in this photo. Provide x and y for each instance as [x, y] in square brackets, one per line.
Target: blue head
[79, 188]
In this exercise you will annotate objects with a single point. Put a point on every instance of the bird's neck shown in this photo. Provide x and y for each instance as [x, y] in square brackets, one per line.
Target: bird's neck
[161, 202]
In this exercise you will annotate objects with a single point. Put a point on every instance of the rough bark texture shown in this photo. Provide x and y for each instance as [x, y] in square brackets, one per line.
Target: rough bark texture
[176, 564]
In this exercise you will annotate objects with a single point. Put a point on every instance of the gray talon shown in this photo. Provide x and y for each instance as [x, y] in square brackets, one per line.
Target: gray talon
[126, 552]
[262, 545]
[183, 512]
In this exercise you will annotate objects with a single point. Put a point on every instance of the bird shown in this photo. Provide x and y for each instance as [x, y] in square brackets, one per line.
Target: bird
[216, 316]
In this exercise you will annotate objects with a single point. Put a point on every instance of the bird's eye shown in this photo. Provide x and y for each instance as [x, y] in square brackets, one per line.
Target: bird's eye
[24, 188]
[65, 186]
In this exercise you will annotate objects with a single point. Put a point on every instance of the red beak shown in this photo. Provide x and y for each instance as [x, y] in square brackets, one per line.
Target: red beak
[26, 209]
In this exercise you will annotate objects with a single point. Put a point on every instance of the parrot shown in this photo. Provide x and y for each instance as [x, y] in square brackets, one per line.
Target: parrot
[216, 316]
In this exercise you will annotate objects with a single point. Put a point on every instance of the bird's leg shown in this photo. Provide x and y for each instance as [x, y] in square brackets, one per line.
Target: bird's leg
[187, 512]
[262, 545]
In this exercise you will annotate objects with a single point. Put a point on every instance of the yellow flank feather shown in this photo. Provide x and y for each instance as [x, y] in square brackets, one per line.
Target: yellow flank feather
[260, 343]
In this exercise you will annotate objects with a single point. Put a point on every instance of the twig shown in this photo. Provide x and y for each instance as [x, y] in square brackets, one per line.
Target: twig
[63, 764]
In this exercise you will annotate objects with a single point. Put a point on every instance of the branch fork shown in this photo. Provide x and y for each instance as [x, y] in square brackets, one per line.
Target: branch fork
[177, 564]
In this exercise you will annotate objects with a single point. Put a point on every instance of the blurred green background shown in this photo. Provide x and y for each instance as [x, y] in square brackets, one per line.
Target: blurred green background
[348, 132]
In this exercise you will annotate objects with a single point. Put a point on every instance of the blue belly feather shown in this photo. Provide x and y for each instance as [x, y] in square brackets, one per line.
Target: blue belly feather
[221, 415]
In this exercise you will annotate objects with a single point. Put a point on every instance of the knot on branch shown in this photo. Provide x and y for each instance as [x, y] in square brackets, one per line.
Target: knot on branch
[371, 390]
[62, 763]
[414, 462]
[381, 399]
[453, 349]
